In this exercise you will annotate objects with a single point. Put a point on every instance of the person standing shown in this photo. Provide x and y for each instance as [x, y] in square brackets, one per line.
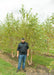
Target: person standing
[22, 53]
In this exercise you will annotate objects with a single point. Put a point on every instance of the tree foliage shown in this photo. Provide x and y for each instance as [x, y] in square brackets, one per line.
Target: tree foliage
[29, 27]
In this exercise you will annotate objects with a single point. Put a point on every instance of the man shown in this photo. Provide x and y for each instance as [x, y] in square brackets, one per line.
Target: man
[22, 52]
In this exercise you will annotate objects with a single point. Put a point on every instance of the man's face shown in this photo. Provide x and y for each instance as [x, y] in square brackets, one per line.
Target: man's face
[23, 41]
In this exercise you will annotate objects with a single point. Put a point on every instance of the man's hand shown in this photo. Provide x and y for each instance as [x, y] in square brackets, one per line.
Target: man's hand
[17, 56]
[27, 55]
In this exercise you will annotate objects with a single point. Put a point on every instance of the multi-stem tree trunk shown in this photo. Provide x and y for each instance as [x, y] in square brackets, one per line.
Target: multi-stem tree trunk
[48, 46]
[11, 46]
[29, 61]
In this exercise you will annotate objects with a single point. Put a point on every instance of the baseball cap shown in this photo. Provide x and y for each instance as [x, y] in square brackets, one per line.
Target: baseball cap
[23, 39]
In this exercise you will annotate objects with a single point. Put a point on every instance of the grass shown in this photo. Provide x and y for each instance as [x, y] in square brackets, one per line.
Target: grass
[7, 69]
[51, 51]
[42, 60]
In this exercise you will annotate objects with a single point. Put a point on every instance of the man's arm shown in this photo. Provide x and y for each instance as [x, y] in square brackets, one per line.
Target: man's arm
[17, 53]
[28, 52]
[18, 50]
[27, 49]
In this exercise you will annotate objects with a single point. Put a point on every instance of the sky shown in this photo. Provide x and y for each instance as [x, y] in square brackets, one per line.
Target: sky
[44, 8]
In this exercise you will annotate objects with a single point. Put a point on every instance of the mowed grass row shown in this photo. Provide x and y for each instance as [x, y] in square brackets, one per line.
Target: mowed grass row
[42, 60]
[7, 69]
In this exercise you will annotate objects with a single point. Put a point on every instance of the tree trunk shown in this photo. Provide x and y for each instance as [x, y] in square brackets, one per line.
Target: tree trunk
[48, 46]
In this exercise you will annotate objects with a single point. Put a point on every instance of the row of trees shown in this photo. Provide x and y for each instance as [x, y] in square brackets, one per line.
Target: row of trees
[38, 35]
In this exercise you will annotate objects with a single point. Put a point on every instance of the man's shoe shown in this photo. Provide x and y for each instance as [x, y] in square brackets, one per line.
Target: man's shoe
[17, 71]
[24, 70]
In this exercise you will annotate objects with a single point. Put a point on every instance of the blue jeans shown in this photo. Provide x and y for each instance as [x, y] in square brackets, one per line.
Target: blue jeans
[22, 58]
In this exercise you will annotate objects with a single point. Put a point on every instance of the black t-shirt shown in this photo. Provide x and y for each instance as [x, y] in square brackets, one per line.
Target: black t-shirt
[22, 48]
